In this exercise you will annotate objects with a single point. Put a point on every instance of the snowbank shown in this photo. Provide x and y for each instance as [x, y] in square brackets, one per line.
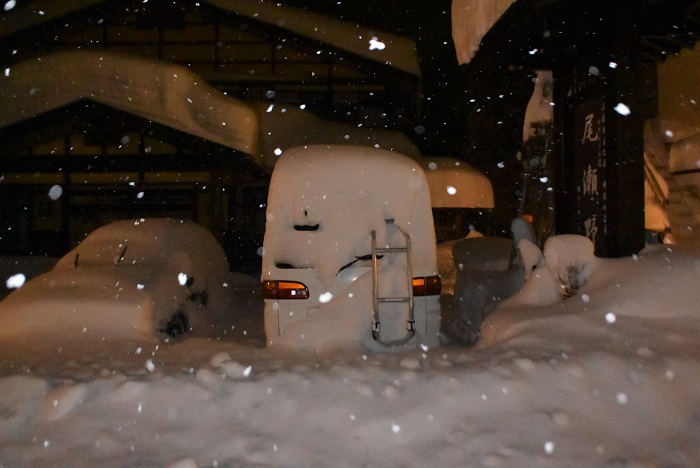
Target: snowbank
[607, 377]
[636, 291]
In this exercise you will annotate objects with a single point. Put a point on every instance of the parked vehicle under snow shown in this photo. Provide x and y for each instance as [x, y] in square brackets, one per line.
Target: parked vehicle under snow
[349, 251]
[130, 277]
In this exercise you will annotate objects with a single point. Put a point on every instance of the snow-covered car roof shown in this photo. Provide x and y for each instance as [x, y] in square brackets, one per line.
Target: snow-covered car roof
[456, 184]
[148, 241]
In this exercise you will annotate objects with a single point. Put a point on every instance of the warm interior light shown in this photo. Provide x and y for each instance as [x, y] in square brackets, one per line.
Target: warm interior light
[427, 286]
[273, 289]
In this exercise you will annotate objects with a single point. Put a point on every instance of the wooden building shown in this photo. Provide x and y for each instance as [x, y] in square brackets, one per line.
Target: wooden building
[68, 165]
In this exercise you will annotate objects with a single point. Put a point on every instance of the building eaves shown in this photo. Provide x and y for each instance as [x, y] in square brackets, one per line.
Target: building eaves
[540, 34]
[382, 47]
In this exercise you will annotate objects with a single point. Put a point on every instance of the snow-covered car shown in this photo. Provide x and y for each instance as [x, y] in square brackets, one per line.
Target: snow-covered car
[349, 252]
[131, 277]
[461, 196]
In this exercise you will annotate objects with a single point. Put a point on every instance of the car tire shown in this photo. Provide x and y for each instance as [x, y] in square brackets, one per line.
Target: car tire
[177, 325]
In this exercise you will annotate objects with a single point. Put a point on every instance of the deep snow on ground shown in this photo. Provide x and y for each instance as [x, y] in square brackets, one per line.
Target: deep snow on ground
[608, 377]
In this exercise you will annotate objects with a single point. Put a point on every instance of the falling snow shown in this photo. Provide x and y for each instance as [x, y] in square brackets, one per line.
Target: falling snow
[550, 383]
[55, 192]
[622, 109]
[15, 281]
[182, 279]
[376, 44]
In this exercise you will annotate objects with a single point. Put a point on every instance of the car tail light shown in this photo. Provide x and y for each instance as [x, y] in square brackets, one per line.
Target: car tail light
[284, 290]
[427, 286]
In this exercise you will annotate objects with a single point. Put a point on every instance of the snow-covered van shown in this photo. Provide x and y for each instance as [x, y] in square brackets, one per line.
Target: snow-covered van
[349, 251]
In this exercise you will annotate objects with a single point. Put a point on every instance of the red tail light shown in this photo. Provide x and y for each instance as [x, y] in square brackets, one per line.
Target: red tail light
[427, 286]
[284, 290]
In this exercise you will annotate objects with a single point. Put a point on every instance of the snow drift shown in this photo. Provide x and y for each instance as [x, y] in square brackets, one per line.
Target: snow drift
[607, 377]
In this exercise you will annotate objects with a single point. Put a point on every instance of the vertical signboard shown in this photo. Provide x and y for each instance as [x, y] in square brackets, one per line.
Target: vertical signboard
[590, 175]
[599, 188]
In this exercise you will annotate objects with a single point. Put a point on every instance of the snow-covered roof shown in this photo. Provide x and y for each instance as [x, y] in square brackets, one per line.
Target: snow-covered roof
[173, 96]
[471, 20]
[165, 93]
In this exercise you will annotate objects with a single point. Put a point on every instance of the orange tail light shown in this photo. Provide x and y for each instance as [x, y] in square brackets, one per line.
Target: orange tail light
[427, 286]
[273, 289]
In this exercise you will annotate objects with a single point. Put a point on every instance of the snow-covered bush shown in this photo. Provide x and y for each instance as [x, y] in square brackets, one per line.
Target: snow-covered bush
[559, 272]
[570, 260]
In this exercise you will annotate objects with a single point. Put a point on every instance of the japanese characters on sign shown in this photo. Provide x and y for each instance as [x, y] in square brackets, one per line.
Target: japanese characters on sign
[591, 193]
[600, 172]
